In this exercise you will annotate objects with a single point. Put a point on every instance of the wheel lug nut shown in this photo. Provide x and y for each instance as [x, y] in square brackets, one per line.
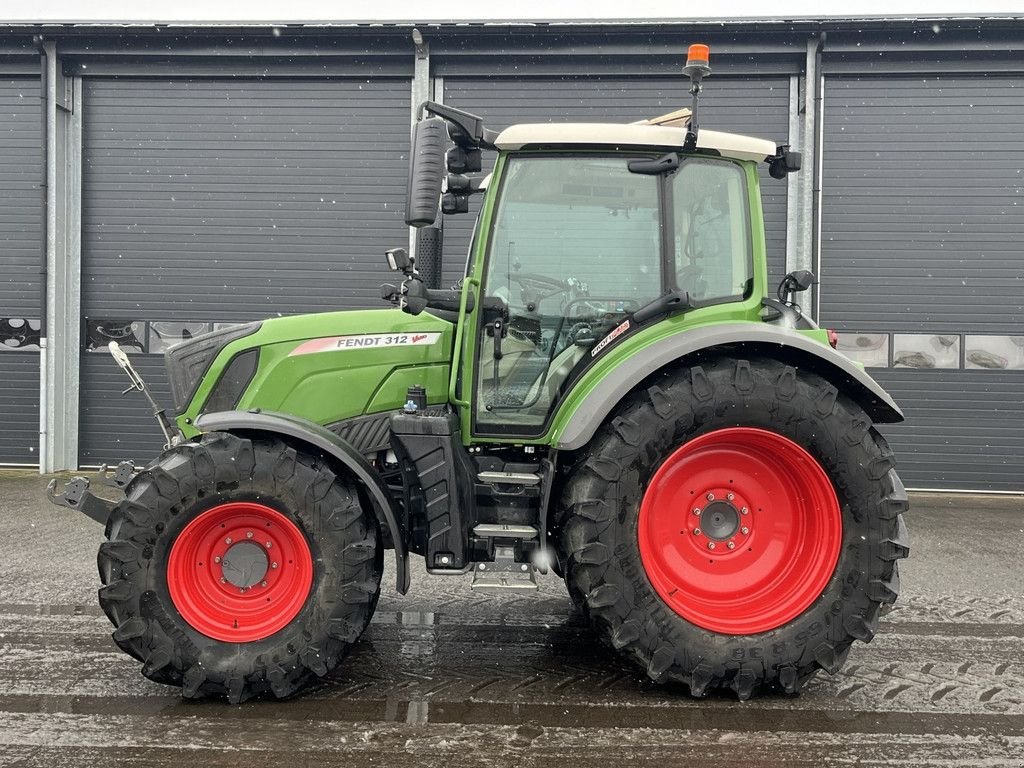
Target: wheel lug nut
[273, 565]
[228, 541]
[248, 535]
[270, 544]
[263, 583]
[223, 580]
[744, 530]
[711, 545]
[731, 545]
[696, 531]
[216, 559]
[731, 496]
[744, 511]
[710, 497]
[696, 510]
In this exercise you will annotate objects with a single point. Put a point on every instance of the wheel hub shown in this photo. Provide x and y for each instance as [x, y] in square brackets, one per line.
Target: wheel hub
[739, 530]
[245, 564]
[724, 523]
[720, 520]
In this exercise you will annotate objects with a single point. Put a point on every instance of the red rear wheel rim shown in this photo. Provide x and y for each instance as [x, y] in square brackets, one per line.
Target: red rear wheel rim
[239, 572]
[740, 530]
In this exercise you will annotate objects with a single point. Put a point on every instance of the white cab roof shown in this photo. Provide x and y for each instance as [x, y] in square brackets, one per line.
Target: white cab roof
[662, 137]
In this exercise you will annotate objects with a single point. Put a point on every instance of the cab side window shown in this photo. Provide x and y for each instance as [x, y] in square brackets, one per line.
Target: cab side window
[712, 240]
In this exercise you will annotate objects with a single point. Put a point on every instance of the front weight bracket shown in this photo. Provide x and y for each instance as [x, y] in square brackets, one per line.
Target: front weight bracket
[76, 495]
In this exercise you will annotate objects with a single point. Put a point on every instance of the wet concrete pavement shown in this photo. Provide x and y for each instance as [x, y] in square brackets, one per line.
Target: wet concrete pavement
[447, 677]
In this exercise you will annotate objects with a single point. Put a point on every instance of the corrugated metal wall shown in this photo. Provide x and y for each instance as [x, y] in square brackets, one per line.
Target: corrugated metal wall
[922, 232]
[20, 228]
[214, 201]
[754, 106]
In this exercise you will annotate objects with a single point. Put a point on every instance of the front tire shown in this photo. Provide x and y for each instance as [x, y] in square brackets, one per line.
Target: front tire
[735, 525]
[237, 567]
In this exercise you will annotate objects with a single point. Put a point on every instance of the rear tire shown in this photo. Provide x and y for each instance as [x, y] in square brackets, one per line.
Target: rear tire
[643, 584]
[181, 623]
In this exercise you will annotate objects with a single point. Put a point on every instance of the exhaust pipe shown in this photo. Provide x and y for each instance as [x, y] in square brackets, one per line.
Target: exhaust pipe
[429, 243]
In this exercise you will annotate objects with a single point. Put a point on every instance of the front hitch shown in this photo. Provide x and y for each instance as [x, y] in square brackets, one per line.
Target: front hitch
[76, 494]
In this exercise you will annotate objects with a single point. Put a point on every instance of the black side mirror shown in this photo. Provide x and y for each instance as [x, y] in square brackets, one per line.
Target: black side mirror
[785, 162]
[800, 280]
[795, 282]
[415, 297]
[426, 171]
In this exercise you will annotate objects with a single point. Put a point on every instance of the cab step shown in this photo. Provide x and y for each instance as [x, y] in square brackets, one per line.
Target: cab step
[504, 574]
[502, 531]
[509, 478]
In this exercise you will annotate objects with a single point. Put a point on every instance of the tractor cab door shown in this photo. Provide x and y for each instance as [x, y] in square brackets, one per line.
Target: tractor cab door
[577, 244]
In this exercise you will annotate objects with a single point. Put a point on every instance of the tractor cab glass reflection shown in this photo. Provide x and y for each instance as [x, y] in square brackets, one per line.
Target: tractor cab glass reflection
[575, 247]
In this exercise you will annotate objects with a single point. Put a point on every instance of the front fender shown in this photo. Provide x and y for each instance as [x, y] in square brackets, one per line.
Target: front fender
[320, 438]
[749, 338]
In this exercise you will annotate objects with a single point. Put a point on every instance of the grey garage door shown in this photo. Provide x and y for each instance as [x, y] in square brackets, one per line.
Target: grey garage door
[20, 219]
[754, 106]
[217, 201]
[923, 264]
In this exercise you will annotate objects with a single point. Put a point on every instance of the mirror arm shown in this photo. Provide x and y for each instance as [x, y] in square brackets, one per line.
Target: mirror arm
[415, 297]
[470, 128]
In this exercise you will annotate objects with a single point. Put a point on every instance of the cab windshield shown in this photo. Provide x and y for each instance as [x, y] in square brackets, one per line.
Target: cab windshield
[579, 243]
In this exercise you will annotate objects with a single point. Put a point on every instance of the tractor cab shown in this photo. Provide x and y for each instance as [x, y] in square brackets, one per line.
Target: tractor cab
[579, 243]
[588, 233]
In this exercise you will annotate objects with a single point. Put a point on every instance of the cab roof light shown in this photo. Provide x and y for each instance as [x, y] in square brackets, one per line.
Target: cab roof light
[697, 68]
[698, 56]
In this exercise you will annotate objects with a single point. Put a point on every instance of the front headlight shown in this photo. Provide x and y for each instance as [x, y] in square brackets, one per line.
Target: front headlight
[188, 361]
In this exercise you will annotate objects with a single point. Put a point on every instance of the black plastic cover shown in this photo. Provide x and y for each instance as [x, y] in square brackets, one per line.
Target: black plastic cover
[188, 361]
[233, 381]
[438, 480]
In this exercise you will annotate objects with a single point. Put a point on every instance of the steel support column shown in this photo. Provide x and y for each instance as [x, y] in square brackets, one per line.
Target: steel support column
[60, 360]
[805, 127]
[794, 181]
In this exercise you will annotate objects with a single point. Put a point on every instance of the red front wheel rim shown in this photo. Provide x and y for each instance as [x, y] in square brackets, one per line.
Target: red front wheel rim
[740, 530]
[239, 572]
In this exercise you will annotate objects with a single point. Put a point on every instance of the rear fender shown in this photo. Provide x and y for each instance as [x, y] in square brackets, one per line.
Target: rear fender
[340, 450]
[734, 339]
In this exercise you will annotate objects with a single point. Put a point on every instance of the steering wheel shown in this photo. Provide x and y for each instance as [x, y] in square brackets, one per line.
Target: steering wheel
[537, 287]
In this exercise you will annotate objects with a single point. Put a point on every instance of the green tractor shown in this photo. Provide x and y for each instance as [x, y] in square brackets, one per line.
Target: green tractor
[611, 392]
